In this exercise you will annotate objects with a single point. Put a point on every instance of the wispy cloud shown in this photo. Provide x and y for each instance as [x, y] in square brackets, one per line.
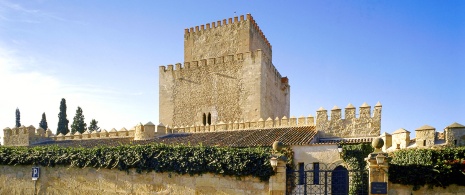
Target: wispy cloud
[35, 92]
[14, 12]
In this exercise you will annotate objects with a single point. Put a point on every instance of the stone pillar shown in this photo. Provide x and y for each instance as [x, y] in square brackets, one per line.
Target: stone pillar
[277, 182]
[378, 172]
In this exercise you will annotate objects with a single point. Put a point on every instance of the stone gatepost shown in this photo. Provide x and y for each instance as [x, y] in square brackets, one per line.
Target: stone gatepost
[277, 182]
[378, 168]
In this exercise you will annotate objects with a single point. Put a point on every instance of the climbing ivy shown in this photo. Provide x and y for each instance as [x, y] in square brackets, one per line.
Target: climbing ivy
[354, 156]
[433, 167]
[181, 159]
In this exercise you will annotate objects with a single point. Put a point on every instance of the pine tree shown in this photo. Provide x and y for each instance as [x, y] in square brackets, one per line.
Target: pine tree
[18, 116]
[78, 122]
[62, 120]
[43, 123]
[93, 125]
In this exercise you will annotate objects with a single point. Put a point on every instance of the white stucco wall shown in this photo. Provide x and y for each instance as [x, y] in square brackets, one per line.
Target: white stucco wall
[316, 153]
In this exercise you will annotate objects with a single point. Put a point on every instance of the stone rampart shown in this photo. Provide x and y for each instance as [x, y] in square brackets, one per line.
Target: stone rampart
[65, 180]
[362, 126]
[24, 136]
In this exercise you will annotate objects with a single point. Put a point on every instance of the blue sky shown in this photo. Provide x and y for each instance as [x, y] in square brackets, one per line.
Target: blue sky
[104, 55]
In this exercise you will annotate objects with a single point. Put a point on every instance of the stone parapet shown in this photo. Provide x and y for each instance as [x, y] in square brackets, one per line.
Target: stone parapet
[26, 136]
[352, 126]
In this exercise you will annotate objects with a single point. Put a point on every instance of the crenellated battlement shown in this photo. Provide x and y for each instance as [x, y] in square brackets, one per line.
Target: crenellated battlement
[352, 126]
[221, 63]
[246, 125]
[365, 125]
[239, 57]
[218, 24]
[225, 37]
[25, 136]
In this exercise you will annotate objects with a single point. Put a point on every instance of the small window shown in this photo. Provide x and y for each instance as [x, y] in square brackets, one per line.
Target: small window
[209, 119]
[301, 174]
[398, 146]
[424, 142]
[316, 173]
[455, 142]
[204, 119]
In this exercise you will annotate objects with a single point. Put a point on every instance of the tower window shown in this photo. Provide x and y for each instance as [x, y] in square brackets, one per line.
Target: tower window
[204, 119]
[424, 142]
[209, 119]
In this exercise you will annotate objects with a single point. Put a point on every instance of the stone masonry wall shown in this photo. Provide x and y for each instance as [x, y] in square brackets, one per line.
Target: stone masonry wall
[230, 88]
[24, 136]
[422, 135]
[455, 136]
[224, 38]
[365, 125]
[275, 92]
[63, 180]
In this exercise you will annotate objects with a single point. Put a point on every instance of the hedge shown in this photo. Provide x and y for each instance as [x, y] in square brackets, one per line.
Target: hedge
[179, 159]
[432, 167]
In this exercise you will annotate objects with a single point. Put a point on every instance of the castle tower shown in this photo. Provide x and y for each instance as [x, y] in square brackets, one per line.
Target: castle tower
[228, 75]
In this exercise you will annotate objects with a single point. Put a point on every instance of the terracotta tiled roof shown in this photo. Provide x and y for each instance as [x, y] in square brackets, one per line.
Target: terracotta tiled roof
[240, 138]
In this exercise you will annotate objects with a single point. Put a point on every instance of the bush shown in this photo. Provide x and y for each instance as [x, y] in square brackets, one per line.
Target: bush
[179, 159]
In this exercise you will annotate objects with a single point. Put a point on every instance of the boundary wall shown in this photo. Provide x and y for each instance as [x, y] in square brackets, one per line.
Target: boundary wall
[64, 180]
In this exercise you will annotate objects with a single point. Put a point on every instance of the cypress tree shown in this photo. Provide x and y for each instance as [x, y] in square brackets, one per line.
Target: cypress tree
[78, 122]
[62, 120]
[93, 125]
[43, 123]
[18, 116]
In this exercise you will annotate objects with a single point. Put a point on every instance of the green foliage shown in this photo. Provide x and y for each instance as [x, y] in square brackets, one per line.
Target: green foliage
[432, 167]
[62, 119]
[43, 122]
[181, 159]
[18, 118]
[354, 156]
[93, 125]
[78, 122]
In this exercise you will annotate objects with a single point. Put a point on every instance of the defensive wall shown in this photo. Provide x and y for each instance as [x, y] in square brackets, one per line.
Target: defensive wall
[365, 125]
[351, 126]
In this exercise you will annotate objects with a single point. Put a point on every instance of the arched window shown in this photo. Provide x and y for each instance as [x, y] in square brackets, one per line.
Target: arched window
[204, 119]
[209, 119]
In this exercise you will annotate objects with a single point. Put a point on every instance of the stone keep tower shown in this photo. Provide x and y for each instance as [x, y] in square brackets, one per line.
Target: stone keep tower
[228, 75]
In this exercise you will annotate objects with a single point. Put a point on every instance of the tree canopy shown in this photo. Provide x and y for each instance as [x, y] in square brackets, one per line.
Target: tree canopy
[78, 122]
[18, 118]
[43, 122]
[62, 120]
[93, 125]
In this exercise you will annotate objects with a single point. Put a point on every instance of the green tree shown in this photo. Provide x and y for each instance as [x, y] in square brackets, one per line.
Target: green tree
[43, 123]
[18, 116]
[78, 122]
[62, 120]
[93, 125]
